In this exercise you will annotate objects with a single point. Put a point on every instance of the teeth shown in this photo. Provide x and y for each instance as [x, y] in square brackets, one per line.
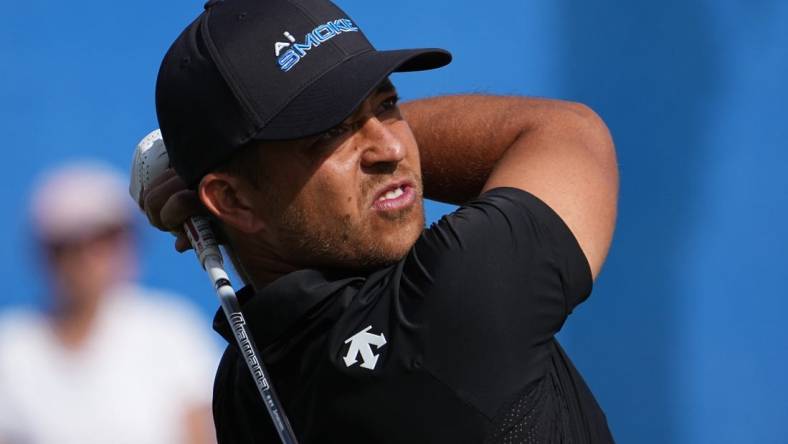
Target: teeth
[393, 194]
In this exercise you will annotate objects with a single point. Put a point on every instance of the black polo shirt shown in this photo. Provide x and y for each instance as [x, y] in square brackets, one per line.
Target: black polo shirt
[452, 344]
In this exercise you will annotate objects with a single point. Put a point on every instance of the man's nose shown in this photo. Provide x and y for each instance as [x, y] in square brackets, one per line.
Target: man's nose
[381, 146]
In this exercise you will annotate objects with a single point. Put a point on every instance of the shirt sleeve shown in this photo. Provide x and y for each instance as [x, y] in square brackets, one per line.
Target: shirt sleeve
[492, 283]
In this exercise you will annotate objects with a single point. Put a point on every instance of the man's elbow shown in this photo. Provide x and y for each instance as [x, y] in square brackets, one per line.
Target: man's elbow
[593, 133]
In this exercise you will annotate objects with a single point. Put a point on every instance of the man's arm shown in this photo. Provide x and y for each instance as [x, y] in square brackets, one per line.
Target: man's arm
[559, 151]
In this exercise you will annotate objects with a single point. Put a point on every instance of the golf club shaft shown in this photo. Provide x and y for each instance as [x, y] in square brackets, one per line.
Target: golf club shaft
[201, 238]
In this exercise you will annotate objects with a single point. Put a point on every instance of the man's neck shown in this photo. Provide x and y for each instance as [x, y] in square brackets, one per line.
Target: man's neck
[256, 266]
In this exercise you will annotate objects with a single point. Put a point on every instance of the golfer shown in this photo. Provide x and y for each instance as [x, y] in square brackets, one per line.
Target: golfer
[282, 124]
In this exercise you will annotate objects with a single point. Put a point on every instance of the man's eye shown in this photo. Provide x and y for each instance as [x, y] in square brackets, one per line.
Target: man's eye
[333, 133]
[389, 103]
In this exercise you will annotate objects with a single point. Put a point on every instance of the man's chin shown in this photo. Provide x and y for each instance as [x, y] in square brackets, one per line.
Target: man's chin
[399, 216]
[383, 252]
[399, 244]
[380, 243]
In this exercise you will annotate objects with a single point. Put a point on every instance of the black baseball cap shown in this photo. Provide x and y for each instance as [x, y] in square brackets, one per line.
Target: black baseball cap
[267, 70]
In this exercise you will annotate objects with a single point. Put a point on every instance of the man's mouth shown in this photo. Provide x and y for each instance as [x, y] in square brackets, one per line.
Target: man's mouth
[393, 194]
[396, 196]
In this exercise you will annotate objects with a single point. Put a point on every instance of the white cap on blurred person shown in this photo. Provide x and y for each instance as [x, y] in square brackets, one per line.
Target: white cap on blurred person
[79, 200]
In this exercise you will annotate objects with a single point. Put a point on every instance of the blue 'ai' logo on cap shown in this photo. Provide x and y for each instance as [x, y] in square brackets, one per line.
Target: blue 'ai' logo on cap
[320, 34]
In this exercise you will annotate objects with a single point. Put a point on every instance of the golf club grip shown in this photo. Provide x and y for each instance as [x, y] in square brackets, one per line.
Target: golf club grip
[198, 230]
[150, 160]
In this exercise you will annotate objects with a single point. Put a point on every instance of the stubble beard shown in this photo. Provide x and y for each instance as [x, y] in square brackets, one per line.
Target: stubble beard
[345, 244]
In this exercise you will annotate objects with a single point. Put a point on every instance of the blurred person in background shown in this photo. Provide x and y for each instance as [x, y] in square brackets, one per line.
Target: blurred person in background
[104, 361]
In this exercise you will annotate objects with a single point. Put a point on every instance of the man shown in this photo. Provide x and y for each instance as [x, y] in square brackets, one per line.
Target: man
[281, 123]
[105, 361]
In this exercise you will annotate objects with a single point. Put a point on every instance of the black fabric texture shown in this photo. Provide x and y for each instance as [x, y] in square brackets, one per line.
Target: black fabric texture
[469, 318]
[328, 100]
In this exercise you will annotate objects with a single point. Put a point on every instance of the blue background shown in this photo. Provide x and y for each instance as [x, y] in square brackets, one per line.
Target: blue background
[683, 339]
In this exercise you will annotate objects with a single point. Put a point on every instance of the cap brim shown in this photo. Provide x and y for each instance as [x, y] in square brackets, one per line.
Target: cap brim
[335, 95]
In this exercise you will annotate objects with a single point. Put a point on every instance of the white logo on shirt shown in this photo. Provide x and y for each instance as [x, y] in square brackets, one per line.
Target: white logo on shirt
[361, 343]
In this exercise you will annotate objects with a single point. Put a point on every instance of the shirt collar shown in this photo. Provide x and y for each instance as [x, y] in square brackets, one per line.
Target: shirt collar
[278, 305]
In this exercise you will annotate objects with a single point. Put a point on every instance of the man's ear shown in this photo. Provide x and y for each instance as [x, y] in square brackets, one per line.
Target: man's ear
[230, 200]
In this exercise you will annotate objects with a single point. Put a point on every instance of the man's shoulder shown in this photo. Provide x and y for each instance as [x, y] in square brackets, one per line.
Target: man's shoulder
[165, 324]
[506, 201]
[23, 333]
[133, 301]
